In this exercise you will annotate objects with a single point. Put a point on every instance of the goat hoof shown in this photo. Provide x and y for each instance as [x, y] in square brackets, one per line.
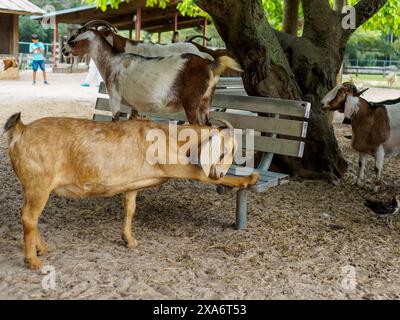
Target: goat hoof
[130, 243]
[34, 263]
[42, 251]
[373, 188]
[359, 183]
[251, 180]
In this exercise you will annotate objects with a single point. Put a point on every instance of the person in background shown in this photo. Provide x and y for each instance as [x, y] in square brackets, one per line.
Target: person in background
[175, 37]
[36, 48]
[93, 75]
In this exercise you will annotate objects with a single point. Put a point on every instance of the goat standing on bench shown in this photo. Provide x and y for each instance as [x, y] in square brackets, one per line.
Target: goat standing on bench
[153, 85]
[80, 158]
[376, 127]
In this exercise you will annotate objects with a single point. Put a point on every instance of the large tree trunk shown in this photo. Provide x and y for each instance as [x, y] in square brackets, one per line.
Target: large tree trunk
[277, 64]
[275, 70]
[291, 16]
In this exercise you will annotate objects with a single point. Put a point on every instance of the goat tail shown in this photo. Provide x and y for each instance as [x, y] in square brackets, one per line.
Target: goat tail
[13, 126]
[220, 64]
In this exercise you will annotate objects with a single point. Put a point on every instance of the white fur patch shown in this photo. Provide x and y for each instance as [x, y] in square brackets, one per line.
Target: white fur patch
[148, 84]
[351, 107]
[331, 95]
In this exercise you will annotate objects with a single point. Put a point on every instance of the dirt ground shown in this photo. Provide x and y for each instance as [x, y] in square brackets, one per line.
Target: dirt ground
[304, 240]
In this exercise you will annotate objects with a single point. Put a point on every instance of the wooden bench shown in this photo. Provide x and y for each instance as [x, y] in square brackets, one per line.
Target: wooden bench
[280, 128]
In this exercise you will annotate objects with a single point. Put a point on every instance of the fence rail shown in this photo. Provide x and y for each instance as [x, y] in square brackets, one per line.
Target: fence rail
[382, 67]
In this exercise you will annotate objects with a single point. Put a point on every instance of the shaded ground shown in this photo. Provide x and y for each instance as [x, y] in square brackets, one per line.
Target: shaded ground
[301, 239]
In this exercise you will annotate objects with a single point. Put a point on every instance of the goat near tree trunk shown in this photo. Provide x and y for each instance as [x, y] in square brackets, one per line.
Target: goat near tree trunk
[375, 126]
[278, 64]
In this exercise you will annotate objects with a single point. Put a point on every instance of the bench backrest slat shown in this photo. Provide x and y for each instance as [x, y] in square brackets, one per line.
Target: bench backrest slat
[293, 108]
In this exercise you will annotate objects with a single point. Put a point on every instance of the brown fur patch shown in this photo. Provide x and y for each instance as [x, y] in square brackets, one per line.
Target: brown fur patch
[190, 86]
[126, 63]
[370, 127]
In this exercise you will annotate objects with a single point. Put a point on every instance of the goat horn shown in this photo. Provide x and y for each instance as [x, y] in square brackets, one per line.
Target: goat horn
[197, 36]
[99, 23]
[359, 93]
[226, 123]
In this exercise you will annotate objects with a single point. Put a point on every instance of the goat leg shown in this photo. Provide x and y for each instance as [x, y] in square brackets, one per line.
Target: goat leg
[130, 208]
[197, 173]
[361, 172]
[133, 114]
[33, 207]
[379, 156]
[116, 116]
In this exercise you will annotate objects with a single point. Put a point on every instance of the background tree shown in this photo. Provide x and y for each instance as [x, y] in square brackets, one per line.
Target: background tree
[28, 26]
[279, 64]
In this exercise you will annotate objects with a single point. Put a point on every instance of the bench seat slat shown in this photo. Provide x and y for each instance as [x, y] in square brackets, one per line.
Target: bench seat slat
[245, 171]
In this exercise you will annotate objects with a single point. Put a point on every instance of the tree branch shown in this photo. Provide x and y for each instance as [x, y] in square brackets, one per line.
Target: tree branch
[317, 15]
[365, 9]
[290, 16]
[251, 39]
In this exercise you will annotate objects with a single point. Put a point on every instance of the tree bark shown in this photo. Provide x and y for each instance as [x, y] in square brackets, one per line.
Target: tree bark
[339, 4]
[277, 64]
[290, 16]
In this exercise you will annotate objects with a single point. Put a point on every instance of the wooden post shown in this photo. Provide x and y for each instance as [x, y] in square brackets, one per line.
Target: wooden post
[159, 37]
[138, 23]
[205, 32]
[175, 21]
[130, 32]
[55, 36]
[15, 37]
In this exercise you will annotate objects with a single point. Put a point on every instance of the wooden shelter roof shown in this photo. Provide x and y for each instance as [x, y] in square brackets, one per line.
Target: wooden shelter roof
[19, 7]
[152, 20]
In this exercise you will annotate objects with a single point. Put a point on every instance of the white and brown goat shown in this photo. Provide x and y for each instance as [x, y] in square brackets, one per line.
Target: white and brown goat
[81, 158]
[153, 84]
[375, 126]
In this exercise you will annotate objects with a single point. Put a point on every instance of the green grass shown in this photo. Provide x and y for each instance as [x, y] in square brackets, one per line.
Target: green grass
[370, 80]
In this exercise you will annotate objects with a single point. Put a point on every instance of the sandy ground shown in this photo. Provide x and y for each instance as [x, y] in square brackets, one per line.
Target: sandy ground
[305, 239]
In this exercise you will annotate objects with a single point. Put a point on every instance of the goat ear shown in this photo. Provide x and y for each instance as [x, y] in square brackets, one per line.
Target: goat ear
[359, 93]
[210, 152]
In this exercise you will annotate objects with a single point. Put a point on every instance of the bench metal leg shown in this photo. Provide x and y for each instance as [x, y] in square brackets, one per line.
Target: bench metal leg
[241, 209]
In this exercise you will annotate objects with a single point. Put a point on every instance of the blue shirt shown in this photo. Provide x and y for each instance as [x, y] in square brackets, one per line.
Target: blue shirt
[37, 56]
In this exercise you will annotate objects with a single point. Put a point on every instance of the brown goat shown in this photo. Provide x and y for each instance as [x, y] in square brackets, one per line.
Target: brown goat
[376, 126]
[81, 158]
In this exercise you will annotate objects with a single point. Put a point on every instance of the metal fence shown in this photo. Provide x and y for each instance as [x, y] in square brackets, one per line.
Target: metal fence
[382, 67]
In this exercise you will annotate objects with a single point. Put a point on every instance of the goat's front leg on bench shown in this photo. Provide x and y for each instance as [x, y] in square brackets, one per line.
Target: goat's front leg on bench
[197, 173]
[115, 105]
